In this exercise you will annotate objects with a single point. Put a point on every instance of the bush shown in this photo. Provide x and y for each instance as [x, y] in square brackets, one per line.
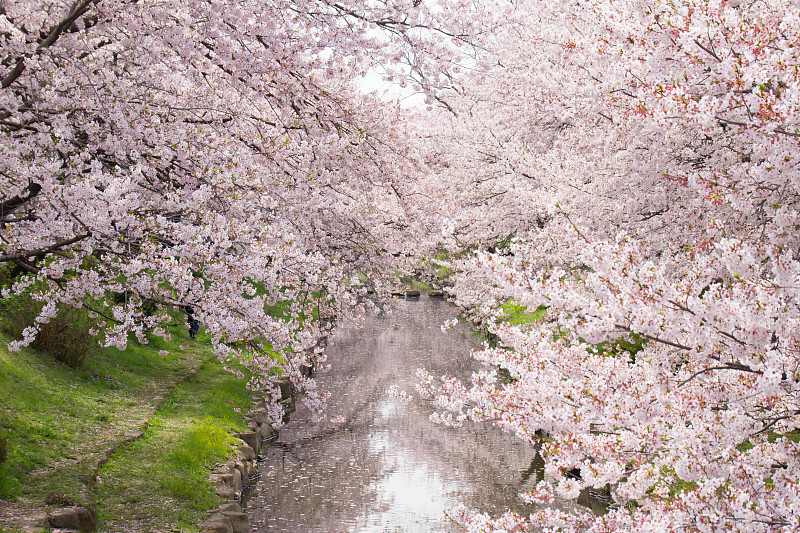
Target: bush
[66, 337]
[5, 281]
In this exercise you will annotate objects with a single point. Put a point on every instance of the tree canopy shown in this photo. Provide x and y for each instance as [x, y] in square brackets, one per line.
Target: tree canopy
[632, 169]
[629, 168]
[205, 156]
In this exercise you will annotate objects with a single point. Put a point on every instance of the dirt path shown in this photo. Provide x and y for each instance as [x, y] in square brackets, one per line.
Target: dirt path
[88, 455]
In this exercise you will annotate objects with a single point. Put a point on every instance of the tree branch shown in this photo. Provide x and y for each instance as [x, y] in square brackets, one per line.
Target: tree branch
[726, 366]
[708, 50]
[78, 10]
[43, 251]
[8, 206]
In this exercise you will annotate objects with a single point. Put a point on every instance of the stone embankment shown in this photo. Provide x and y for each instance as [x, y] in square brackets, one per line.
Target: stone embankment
[238, 473]
[408, 294]
[413, 294]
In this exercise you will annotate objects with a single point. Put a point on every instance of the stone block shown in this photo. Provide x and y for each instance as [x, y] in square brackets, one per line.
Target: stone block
[236, 480]
[260, 416]
[239, 522]
[225, 492]
[79, 518]
[220, 479]
[251, 470]
[216, 524]
[232, 507]
[252, 440]
[287, 389]
[243, 471]
[247, 453]
[267, 431]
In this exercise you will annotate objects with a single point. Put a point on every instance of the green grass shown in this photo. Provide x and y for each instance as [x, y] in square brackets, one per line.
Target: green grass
[160, 481]
[516, 314]
[48, 409]
[58, 420]
[420, 286]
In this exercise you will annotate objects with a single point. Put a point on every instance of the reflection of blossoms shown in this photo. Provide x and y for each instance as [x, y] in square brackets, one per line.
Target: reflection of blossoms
[447, 419]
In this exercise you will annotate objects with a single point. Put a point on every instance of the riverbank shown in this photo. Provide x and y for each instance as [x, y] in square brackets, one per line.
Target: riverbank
[131, 437]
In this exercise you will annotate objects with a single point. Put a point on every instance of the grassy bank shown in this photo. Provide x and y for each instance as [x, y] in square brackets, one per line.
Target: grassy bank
[160, 482]
[59, 420]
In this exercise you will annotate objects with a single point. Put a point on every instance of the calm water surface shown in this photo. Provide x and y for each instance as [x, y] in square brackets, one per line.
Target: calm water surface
[388, 468]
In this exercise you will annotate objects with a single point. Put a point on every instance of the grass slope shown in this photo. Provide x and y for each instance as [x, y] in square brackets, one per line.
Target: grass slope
[159, 482]
[58, 420]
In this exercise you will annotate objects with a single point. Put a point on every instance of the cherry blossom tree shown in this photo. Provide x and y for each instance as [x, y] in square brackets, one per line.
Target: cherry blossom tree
[205, 155]
[646, 154]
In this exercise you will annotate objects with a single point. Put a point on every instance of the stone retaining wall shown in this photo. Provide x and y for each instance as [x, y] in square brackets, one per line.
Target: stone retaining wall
[237, 474]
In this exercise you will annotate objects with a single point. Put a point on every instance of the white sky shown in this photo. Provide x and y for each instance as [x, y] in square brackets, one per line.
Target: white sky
[390, 92]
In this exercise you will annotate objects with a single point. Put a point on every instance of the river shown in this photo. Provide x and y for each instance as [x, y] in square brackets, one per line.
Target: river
[387, 468]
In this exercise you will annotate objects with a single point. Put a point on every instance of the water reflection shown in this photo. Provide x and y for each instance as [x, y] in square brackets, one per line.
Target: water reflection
[388, 468]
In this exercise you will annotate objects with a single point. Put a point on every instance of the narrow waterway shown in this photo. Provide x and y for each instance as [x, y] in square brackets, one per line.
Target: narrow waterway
[387, 468]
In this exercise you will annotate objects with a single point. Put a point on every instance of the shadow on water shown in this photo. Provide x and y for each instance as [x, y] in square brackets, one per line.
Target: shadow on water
[535, 470]
[388, 468]
[597, 501]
